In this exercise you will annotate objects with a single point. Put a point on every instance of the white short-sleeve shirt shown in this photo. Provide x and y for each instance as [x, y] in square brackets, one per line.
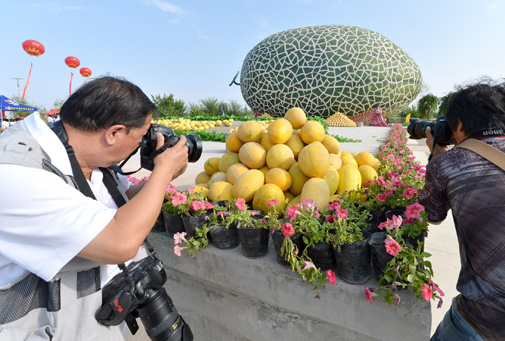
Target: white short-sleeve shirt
[44, 222]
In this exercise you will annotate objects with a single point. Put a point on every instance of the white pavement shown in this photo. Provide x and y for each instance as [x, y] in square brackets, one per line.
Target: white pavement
[442, 242]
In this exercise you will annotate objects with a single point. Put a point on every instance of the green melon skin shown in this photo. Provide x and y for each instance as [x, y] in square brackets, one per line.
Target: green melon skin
[330, 68]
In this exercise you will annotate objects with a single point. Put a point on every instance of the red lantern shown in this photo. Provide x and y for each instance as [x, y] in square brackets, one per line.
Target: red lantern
[72, 62]
[85, 72]
[33, 48]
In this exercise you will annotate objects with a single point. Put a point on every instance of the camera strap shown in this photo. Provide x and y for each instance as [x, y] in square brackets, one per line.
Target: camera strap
[485, 150]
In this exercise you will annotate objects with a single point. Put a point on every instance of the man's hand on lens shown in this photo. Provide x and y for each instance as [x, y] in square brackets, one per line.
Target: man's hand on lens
[434, 150]
[175, 159]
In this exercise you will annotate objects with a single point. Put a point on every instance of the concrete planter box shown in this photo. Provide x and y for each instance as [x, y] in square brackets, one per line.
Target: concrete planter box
[226, 296]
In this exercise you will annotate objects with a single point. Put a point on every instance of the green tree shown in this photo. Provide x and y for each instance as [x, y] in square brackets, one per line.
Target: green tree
[168, 106]
[427, 106]
[444, 102]
[58, 103]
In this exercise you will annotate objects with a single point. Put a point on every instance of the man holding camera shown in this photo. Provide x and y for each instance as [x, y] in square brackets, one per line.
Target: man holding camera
[473, 187]
[61, 231]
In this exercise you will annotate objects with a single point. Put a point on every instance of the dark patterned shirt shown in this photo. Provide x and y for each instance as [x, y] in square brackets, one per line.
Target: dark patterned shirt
[474, 188]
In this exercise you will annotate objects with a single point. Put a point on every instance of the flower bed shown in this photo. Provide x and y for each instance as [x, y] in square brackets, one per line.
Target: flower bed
[388, 205]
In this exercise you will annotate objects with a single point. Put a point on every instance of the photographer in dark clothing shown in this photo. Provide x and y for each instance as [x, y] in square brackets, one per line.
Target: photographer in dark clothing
[472, 187]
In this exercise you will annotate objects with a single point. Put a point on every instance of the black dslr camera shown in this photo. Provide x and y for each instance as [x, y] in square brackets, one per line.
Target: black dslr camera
[138, 292]
[440, 130]
[148, 149]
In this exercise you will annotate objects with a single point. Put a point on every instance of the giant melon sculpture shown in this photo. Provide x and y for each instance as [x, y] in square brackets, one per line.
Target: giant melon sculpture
[330, 68]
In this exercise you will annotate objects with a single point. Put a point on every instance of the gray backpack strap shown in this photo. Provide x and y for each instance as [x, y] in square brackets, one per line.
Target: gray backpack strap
[485, 150]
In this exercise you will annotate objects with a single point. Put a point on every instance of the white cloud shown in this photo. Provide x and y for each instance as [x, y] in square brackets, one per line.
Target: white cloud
[203, 37]
[491, 8]
[166, 7]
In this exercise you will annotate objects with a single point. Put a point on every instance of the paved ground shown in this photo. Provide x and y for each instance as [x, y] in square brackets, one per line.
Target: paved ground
[441, 242]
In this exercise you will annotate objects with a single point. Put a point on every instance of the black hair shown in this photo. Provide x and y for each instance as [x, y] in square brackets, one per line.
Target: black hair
[107, 101]
[479, 106]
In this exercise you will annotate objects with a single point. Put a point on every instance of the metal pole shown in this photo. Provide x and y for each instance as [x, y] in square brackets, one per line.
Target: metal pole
[18, 79]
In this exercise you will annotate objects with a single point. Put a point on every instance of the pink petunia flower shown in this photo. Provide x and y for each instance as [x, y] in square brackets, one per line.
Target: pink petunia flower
[288, 230]
[177, 250]
[383, 225]
[332, 206]
[171, 189]
[427, 292]
[240, 202]
[381, 197]
[331, 277]
[179, 236]
[392, 246]
[272, 202]
[342, 213]
[388, 192]
[396, 221]
[435, 287]
[369, 295]
[292, 212]
[396, 300]
[409, 192]
[308, 265]
[208, 205]
[414, 210]
[178, 198]
[329, 218]
[197, 205]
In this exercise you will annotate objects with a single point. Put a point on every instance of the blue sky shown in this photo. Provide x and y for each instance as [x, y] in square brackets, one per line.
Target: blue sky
[193, 49]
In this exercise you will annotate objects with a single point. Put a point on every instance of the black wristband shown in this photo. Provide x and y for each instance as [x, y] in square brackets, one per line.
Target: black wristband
[430, 157]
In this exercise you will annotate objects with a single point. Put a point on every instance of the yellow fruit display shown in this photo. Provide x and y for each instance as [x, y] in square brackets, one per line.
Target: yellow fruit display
[314, 159]
[280, 130]
[247, 184]
[364, 158]
[345, 153]
[296, 144]
[316, 189]
[376, 164]
[202, 178]
[220, 190]
[332, 179]
[367, 173]
[340, 120]
[233, 143]
[334, 197]
[204, 191]
[228, 159]
[295, 201]
[216, 177]
[296, 116]
[349, 160]
[250, 131]
[349, 179]
[288, 196]
[280, 156]
[331, 144]
[253, 155]
[234, 171]
[264, 169]
[265, 142]
[211, 165]
[335, 161]
[279, 177]
[298, 179]
[266, 193]
[312, 131]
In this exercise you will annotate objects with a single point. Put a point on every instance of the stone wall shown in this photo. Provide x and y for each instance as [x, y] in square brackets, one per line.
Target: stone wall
[223, 295]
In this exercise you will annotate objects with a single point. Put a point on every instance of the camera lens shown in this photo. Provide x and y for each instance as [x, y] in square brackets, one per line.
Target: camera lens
[161, 319]
[417, 128]
[194, 145]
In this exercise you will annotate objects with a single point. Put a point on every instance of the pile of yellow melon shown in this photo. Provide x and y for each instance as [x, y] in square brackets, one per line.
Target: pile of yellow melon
[291, 161]
[186, 124]
[340, 120]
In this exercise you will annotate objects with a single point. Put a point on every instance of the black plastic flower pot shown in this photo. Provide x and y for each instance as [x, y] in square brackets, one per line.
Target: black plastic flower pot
[159, 225]
[172, 223]
[225, 238]
[398, 211]
[254, 241]
[278, 239]
[354, 263]
[322, 256]
[380, 257]
[191, 223]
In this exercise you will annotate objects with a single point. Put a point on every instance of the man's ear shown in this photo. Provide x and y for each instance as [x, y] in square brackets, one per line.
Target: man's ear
[113, 133]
